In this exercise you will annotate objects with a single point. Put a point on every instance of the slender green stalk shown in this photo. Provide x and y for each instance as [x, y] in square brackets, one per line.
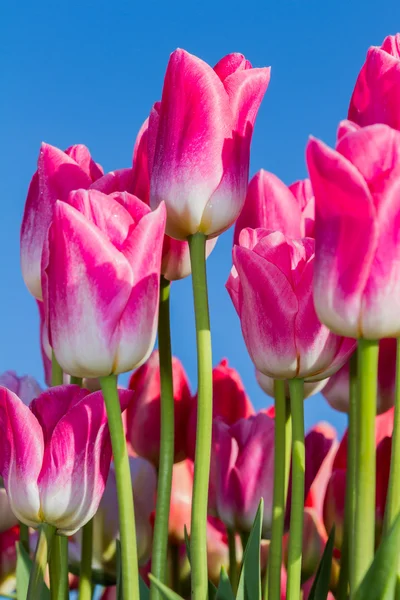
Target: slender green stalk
[58, 567]
[85, 573]
[198, 530]
[244, 538]
[348, 532]
[43, 549]
[175, 574]
[364, 522]
[24, 536]
[129, 561]
[273, 581]
[160, 539]
[76, 380]
[233, 569]
[296, 387]
[56, 371]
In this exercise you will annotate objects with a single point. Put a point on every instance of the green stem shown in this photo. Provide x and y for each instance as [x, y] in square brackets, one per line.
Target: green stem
[43, 549]
[76, 380]
[364, 522]
[233, 569]
[56, 372]
[273, 580]
[198, 530]
[296, 387]
[58, 567]
[160, 539]
[129, 561]
[24, 536]
[85, 573]
[244, 538]
[348, 532]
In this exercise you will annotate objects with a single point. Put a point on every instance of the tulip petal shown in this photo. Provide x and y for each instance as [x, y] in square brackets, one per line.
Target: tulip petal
[83, 309]
[345, 238]
[231, 63]
[21, 456]
[195, 121]
[140, 168]
[246, 89]
[120, 180]
[81, 155]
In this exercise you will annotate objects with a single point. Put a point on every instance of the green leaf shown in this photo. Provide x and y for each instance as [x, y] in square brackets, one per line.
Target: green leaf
[224, 591]
[380, 581]
[250, 577]
[119, 572]
[212, 591]
[320, 587]
[164, 590]
[143, 590]
[187, 542]
[24, 566]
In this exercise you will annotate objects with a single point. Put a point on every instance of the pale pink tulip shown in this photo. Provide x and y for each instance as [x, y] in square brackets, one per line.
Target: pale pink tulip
[101, 278]
[357, 265]
[271, 288]
[376, 95]
[58, 174]
[65, 426]
[181, 501]
[25, 387]
[201, 139]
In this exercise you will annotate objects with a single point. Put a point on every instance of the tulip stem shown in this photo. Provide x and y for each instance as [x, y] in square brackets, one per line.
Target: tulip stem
[364, 522]
[164, 484]
[129, 561]
[56, 371]
[346, 554]
[43, 549]
[233, 570]
[198, 529]
[273, 581]
[296, 387]
[76, 380]
[24, 536]
[58, 567]
[85, 573]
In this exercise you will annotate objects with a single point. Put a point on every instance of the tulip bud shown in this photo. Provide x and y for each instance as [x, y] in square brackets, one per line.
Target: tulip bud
[230, 402]
[271, 285]
[376, 95]
[25, 387]
[181, 501]
[357, 271]
[58, 174]
[101, 279]
[143, 416]
[202, 141]
[65, 425]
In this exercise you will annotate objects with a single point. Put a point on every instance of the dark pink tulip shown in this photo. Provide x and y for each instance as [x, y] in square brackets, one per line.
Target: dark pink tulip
[337, 390]
[64, 426]
[271, 288]
[58, 174]
[143, 416]
[242, 464]
[202, 141]
[100, 279]
[376, 96]
[357, 266]
[230, 401]
[270, 204]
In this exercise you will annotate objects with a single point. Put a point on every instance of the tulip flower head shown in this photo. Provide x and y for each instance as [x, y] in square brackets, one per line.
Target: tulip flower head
[357, 243]
[271, 288]
[201, 138]
[66, 426]
[101, 278]
[25, 387]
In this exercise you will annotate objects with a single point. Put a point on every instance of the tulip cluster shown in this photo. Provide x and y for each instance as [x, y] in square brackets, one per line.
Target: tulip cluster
[198, 494]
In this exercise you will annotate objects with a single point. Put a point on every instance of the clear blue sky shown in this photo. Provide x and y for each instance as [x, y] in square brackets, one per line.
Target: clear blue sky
[88, 72]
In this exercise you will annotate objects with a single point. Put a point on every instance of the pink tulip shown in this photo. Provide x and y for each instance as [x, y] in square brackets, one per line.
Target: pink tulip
[7, 517]
[310, 388]
[337, 390]
[230, 402]
[217, 549]
[25, 387]
[101, 277]
[106, 523]
[270, 204]
[64, 426]
[181, 501]
[357, 269]
[271, 288]
[8, 560]
[242, 463]
[201, 141]
[58, 174]
[144, 414]
[376, 95]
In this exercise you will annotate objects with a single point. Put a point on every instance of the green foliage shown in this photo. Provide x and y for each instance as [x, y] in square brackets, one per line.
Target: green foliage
[224, 591]
[24, 566]
[164, 590]
[250, 577]
[320, 588]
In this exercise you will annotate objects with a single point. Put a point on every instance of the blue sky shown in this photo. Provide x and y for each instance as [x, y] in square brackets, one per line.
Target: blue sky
[88, 72]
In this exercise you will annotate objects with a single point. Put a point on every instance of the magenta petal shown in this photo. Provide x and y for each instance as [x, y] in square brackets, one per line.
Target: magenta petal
[230, 64]
[81, 155]
[140, 169]
[120, 180]
[21, 456]
[246, 89]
